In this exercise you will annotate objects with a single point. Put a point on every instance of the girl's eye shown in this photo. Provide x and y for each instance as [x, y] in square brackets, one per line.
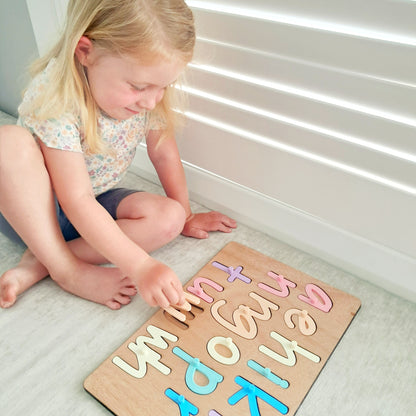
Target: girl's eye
[137, 88]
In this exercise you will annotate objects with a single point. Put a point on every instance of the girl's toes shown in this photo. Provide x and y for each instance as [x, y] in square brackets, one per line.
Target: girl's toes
[113, 304]
[5, 304]
[129, 291]
[122, 299]
[127, 282]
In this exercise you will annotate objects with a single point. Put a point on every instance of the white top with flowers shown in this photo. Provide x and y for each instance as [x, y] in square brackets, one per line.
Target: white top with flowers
[120, 138]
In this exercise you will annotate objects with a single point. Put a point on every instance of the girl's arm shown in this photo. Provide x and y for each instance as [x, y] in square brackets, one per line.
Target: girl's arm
[73, 189]
[165, 157]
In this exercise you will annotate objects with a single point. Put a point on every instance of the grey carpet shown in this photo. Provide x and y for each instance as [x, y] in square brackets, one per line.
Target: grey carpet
[50, 341]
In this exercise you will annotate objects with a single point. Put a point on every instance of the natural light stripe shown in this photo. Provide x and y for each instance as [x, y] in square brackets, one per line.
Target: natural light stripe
[355, 31]
[302, 153]
[298, 123]
[275, 56]
[306, 94]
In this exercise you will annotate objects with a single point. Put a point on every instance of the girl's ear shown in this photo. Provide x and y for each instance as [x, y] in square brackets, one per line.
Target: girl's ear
[83, 51]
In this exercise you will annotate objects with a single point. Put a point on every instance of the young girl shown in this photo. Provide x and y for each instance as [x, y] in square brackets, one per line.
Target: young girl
[107, 83]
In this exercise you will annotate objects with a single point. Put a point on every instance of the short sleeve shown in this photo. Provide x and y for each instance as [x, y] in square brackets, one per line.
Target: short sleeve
[62, 133]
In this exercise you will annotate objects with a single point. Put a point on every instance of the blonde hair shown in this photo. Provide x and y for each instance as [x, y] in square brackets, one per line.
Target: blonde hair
[149, 29]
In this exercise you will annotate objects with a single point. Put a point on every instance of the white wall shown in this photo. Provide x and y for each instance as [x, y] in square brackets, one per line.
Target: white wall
[302, 124]
[17, 50]
[47, 18]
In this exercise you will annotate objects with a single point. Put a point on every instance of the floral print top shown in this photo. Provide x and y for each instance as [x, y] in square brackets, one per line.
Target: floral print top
[119, 137]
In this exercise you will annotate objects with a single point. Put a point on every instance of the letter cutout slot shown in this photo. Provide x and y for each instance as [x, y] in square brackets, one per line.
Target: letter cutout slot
[253, 393]
[290, 348]
[243, 317]
[317, 298]
[195, 365]
[145, 355]
[186, 408]
[253, 346]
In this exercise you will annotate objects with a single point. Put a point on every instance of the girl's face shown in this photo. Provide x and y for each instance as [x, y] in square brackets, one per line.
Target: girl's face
[122, 87]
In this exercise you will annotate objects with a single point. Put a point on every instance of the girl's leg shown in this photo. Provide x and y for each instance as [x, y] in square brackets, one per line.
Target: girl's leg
[155, 221]
[26, 201]
[151, 221]
[15, 281]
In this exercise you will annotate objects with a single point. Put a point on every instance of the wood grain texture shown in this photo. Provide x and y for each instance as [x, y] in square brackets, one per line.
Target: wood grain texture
[126, 395]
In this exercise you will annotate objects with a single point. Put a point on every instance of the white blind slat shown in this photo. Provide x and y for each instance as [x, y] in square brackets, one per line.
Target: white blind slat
[341, 198]
[394, 18]
[317, 103]
[351, 125]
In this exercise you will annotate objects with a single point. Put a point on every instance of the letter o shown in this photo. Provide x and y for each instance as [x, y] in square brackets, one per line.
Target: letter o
[226, 342]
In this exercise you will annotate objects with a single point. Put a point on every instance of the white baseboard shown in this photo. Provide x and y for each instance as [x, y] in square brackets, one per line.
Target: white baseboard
[382, 266]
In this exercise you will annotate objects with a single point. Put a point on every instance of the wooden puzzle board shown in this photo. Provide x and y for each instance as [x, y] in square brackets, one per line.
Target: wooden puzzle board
[253, 346]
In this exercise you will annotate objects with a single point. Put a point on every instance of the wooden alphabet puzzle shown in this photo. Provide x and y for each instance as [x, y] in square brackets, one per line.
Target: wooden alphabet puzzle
[253, 346]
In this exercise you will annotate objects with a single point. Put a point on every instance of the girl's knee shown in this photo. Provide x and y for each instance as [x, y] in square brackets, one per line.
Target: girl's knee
[165, 216]
[13, 133]
[168, 217]
[173, 217]
[17, 147]
[180, 213]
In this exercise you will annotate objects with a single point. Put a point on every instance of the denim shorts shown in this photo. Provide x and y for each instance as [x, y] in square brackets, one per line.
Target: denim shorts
[110, 200]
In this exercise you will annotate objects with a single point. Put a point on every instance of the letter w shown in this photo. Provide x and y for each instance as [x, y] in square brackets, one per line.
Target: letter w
[145, 355]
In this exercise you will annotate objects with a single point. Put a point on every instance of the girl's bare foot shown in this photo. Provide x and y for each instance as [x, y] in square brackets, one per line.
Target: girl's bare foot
[104, 285]
[8, 289]
[15, 281]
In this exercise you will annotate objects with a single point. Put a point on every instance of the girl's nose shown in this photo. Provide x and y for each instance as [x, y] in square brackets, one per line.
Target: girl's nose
[150, 99]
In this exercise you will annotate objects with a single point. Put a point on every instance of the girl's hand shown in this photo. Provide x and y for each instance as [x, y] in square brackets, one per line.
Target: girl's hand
[198, 225]
[157, 284]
